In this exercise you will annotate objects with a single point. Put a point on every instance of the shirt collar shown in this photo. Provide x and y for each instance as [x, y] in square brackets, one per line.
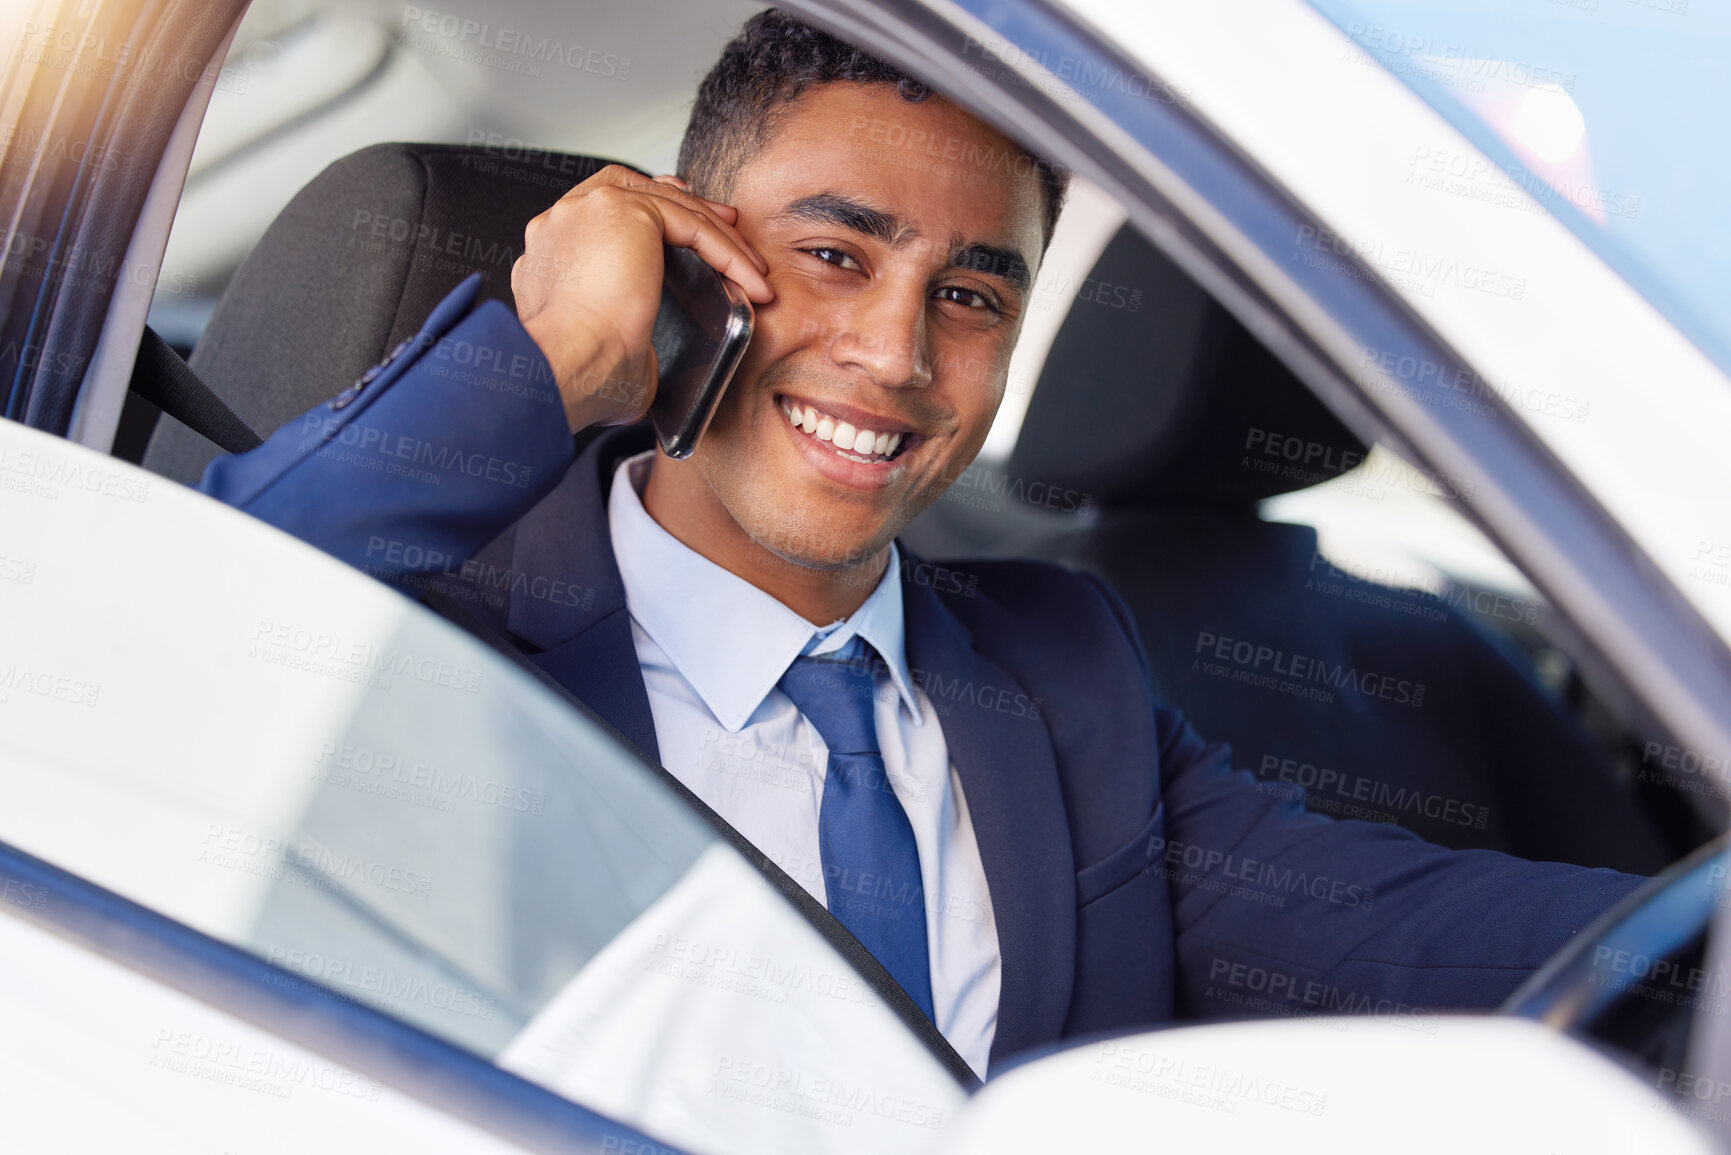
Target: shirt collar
[730, 640]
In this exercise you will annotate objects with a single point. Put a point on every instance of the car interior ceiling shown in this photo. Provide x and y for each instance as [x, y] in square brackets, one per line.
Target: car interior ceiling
[1139, 420]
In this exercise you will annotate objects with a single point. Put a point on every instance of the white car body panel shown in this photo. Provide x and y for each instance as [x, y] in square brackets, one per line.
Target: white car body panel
[1419, 1084]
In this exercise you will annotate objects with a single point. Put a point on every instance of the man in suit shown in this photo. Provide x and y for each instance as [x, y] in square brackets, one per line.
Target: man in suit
[964, 764]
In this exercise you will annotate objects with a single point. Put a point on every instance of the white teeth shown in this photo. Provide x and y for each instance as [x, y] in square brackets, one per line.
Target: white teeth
[844, 435]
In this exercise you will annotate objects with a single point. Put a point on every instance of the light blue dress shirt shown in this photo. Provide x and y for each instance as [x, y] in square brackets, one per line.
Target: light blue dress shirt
[712, 647]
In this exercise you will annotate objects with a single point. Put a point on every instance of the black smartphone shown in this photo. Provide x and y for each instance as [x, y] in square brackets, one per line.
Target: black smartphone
[700, 333]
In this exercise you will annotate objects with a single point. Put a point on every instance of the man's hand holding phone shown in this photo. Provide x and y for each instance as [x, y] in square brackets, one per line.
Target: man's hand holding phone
[588, 284]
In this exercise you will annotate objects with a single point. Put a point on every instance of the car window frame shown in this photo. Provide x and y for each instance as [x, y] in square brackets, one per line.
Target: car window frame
[110, 194]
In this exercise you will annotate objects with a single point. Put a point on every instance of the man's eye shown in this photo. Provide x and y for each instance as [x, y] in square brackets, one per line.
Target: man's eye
[971, 298]
[837, 257]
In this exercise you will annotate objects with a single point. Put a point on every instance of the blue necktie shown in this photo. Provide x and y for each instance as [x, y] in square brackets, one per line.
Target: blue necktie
[871, 867]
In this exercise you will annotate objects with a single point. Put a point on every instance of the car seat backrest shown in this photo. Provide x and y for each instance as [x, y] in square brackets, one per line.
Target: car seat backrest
[351, 267]
[1207, 399]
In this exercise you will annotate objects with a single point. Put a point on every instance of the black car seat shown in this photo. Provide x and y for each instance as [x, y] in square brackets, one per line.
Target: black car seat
[1384, 704]
[351, 267]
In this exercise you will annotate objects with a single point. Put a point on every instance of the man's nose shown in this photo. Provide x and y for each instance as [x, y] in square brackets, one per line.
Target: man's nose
[884, 335]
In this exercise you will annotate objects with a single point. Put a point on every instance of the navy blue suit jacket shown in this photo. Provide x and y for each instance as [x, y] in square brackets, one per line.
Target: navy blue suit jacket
[1135, 875]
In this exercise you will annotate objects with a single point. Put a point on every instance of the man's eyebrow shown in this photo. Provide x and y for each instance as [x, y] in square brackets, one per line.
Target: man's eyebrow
[828, 208]
[993, 260]
[835, 209]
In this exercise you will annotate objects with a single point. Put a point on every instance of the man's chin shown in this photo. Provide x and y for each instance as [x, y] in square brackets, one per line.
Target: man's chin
[828, 561]
[826, 552]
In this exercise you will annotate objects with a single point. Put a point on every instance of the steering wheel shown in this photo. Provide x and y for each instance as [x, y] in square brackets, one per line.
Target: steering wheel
[1632, 977]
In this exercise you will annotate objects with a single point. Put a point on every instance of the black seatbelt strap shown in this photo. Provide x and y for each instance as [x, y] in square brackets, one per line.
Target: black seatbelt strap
[826, 924]
[163, 379]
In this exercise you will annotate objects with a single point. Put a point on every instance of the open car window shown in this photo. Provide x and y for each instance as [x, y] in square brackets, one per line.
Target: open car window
[219, 722]
[235, 731]
[1323, 606]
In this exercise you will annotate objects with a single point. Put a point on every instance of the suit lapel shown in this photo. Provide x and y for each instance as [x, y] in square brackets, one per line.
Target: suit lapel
[600, 667]
[1010, 780]
[567, 600]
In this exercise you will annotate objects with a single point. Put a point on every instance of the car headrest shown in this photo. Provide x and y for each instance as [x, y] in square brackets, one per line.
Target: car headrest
[1174, 405]
[352, 266]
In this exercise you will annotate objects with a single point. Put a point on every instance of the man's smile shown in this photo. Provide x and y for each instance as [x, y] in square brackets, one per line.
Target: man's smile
[855, 447]
[856, 435]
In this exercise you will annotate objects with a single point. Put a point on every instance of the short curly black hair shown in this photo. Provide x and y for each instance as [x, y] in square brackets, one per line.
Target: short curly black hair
[774, 59]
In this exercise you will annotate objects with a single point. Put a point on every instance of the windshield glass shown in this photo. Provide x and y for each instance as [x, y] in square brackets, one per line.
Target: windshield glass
[225, 725]
[1609, 113]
